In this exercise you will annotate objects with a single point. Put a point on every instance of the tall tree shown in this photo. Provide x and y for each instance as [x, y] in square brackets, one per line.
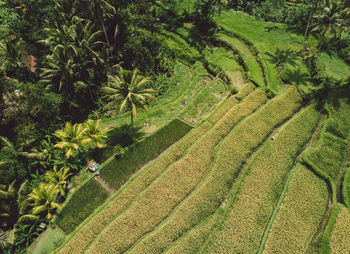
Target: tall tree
[128, 91]
[58, 178]
[94, 133]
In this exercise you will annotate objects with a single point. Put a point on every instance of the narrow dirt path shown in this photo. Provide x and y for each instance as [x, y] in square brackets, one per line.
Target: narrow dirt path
[105, 185]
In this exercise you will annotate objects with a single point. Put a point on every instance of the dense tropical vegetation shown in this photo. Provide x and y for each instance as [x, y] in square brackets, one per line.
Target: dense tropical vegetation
[113, 84]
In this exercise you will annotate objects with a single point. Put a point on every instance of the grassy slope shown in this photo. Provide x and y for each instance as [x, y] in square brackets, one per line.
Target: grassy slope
[82, 236]
[266, 37]
[256, 197]
[47, 242]
[299, 215]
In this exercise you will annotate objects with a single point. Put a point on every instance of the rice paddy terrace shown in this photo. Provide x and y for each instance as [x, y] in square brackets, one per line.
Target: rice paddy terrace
[256, 175]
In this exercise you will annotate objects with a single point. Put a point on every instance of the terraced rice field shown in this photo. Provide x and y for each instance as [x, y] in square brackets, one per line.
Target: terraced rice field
[257, 175]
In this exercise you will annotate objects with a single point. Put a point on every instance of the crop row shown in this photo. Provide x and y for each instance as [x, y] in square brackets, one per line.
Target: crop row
[329, 155]
[230, 157]
[86, 233]
[299, 215]
[254, 200]
[339, 241]
[178, 181]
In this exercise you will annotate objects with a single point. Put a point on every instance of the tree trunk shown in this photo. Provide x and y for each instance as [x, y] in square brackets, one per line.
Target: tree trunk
[218, 18]
[309, 22]
[132, 121]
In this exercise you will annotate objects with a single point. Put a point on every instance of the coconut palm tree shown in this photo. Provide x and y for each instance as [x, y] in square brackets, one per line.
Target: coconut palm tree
[43, 199]
[94, 133]
[127, 91]
[282, 57]
[58, 178]
[71, 138]
[6, 238]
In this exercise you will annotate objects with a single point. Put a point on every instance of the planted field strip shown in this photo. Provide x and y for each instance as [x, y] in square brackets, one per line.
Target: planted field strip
[340, 237]
[346, 188]
[118, 171]
[299, 215]
[252, 204]
[328, 156]
[230, 157]
[82, 203]
[178, 181]
[255, 73]
[83, 235]
[247, 89]
[339, 107]
[192, 241]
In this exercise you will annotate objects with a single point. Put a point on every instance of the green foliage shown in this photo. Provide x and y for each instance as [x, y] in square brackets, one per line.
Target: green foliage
[43, 199]
[47, 242]
[71, 138]
[127, 91]
[118, 171]
[346, 188]
[58, 178]
[80, 205]
[94, 134]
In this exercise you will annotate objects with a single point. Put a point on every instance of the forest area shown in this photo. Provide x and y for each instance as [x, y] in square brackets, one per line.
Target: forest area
[77, 78]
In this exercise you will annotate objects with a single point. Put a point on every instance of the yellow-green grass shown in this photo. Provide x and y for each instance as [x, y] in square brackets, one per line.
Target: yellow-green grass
[82, 203]
[265, 37]
[330, 65]
[253, 203]
[340, 237]
[221, 59]
[299, 215]
[247, 89]
[255, 72]
[207, 99]
[184, 85]
[230, 157]
[118, 170]
[178, 181]
[339, 107]
[346, 188]
[193, 241]
[47, 241]
[83, 235]
[329, 155]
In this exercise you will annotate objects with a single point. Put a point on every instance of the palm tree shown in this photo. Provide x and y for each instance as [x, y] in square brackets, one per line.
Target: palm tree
[94, 133]
[127, 91]
[328, 20]
[58, 178]
[71, 138]
[43, 199]
[6, 238]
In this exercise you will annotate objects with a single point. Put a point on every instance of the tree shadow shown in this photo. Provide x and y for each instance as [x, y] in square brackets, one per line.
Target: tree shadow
[119, 135]
[296, 77]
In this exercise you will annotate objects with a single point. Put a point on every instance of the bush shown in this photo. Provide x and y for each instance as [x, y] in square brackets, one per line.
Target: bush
[81, 204]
